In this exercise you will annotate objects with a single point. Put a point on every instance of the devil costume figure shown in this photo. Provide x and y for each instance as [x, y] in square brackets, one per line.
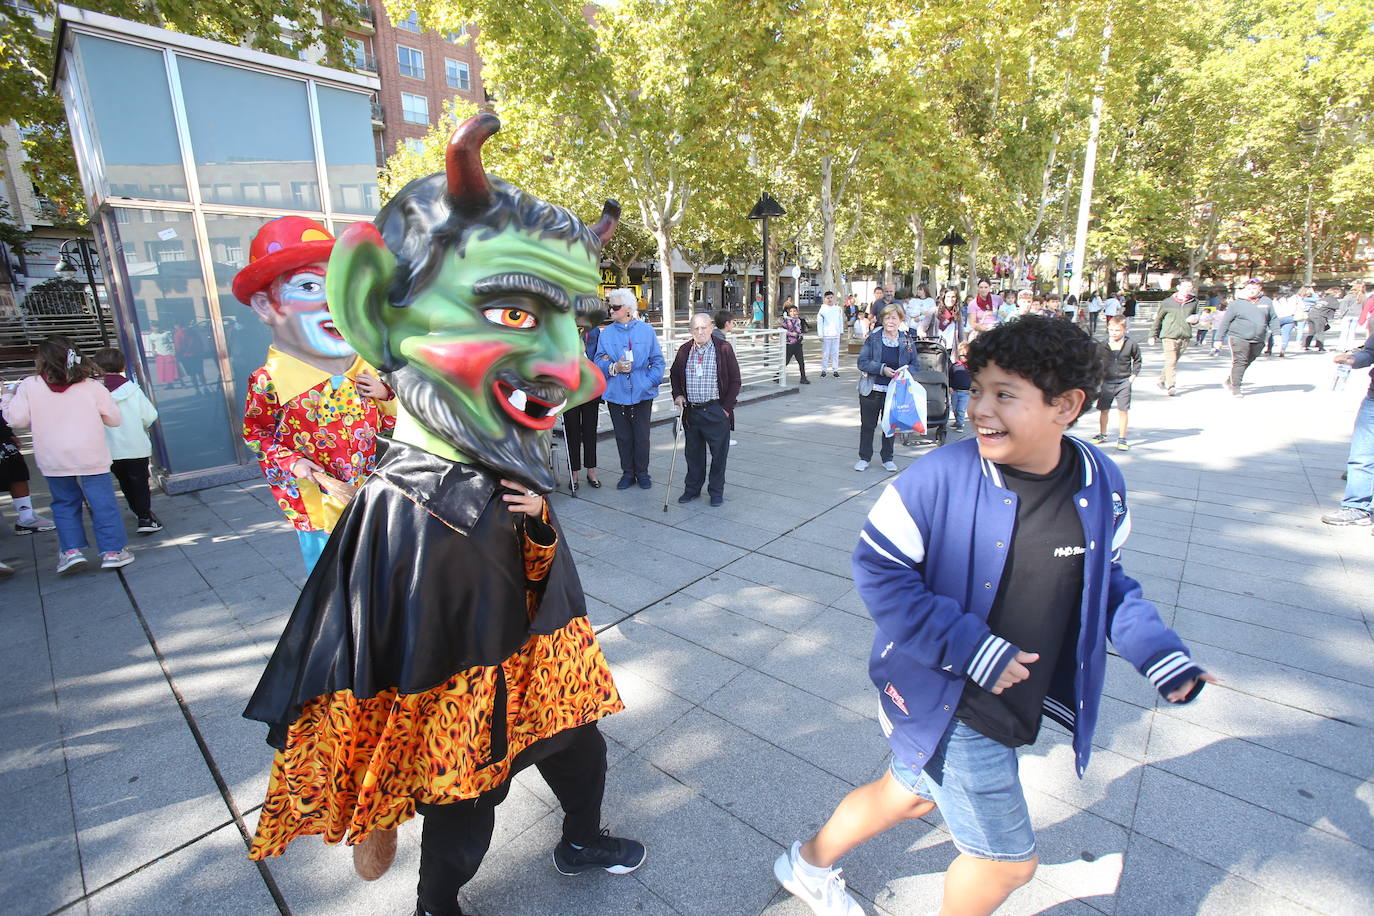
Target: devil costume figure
[441, 644]
[315, 408]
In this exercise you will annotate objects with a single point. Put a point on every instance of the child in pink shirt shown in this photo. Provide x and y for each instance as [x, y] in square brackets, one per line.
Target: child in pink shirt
[68, 412]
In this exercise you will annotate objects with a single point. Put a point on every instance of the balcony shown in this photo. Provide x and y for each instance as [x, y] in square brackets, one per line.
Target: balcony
[366, 62]
[367, 18]
[378, 116]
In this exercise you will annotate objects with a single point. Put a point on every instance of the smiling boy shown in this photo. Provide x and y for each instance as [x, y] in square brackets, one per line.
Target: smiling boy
[992, 568]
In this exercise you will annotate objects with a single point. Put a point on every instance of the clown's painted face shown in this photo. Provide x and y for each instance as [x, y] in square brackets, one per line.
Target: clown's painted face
[492, 351]
[296, 308]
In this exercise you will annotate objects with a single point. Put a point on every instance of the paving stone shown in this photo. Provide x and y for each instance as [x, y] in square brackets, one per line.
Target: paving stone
[649, 709]
[40, 866]
[317, 879]
[1160, 879]
[138, 804]
[773, 791]
[668, 661]
[836, 740]
[815, 669]
[1280, 617]
[712, 627]
[819, 586]
[1346, 661]
[214, 871]
[1303, 791]
[1279, 854]
[777, 608]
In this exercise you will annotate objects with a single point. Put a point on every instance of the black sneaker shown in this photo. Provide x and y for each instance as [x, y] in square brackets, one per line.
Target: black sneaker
[608, 853]
[149, 525]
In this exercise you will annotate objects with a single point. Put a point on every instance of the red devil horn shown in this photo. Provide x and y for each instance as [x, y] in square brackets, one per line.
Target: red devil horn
[610, 219]
[468, 188]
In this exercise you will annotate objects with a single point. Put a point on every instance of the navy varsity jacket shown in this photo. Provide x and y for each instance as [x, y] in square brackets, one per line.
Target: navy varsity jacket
[927, 566]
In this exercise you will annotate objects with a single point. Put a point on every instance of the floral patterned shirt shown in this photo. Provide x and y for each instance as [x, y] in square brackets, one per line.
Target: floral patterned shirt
[295, 411]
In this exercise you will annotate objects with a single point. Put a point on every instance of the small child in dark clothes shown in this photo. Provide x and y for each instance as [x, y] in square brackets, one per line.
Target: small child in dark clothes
[1121, 357]
[130, 447]
[960, 381]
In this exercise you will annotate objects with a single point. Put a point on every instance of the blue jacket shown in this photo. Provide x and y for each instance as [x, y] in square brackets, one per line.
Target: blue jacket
[646, 372]
[871, 356]
[928, 564]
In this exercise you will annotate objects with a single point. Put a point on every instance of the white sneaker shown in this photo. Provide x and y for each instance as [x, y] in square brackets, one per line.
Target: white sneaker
[890, 466]
[32, 523]
[6, 570]
[826, 896]
[116, 560]
[67, 560]
[861, 465]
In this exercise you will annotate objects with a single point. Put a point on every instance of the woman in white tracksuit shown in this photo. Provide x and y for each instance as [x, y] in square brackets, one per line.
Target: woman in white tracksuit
[830, 327]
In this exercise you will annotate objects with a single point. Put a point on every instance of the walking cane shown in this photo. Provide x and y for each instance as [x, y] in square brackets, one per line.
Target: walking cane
[672, 465]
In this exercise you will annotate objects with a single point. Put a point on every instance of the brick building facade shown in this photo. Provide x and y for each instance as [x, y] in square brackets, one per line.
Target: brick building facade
[421, 73]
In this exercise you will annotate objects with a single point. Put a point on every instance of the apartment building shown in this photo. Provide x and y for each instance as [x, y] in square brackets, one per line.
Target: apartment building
[421, 73]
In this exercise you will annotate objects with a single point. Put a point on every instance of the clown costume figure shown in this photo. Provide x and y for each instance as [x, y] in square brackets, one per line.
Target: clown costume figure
[315, 408]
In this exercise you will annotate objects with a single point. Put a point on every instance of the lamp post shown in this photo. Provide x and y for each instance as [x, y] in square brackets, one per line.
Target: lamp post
[649, 271]
[951, 241]
[67, 267]
[765, 208]
[727, 271]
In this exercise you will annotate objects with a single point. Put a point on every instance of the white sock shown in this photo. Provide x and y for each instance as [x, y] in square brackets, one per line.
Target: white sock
[25, 506]
[809, 870]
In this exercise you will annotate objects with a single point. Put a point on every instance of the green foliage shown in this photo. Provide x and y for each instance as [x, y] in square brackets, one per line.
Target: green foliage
[26, 56]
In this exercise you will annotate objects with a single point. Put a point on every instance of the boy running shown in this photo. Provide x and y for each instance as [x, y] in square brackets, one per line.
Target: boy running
[992, 568]
[1121, 358]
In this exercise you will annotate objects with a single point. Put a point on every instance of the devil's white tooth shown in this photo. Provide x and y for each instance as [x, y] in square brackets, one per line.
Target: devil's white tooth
[559, 409]
[517, 399]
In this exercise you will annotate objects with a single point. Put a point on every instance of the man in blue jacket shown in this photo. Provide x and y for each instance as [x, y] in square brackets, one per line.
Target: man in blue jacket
[629, 355]
[992, 568]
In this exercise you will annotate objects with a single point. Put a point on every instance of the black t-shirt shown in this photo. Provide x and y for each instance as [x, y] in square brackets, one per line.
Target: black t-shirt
[1038, 600]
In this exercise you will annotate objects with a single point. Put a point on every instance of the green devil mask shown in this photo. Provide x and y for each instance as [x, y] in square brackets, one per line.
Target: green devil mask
[467, 294]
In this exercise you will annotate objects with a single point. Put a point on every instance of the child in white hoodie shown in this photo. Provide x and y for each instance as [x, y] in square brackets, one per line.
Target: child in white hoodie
[130, 447]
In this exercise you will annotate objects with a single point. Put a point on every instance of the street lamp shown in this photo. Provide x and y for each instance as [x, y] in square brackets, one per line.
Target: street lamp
[765, 208]
[727, 271]
[67, 267]
[951, 241]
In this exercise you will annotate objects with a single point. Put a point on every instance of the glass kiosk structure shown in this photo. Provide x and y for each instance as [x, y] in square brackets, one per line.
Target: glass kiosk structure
[185, 148]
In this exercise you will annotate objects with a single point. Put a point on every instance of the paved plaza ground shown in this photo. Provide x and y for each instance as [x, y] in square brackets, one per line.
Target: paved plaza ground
[127, 775]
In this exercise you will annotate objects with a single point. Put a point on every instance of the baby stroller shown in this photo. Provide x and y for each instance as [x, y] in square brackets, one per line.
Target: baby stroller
[932, 371]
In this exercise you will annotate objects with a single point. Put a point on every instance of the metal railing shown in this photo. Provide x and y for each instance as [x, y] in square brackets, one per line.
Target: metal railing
[366, 62]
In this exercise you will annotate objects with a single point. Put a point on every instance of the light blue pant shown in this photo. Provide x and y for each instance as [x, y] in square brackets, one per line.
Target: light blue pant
[96, 491]
[1359, 468]
[960, 406]
[312, 545]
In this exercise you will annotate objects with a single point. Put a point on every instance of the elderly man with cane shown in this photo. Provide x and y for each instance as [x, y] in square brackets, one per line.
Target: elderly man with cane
[705, 384]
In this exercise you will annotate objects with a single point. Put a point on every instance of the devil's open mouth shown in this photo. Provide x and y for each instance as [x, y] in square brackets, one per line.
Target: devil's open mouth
[525, 408]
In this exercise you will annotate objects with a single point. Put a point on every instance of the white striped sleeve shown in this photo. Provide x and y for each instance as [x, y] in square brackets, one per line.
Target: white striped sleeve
[896, 529]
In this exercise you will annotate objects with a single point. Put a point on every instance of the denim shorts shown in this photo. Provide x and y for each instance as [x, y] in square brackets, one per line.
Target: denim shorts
[976, 784]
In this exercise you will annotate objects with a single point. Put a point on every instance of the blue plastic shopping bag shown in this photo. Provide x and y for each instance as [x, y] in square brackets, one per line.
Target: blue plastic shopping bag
[904, 410]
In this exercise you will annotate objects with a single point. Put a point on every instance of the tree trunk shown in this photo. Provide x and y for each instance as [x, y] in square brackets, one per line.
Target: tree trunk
[1307, 240]
[829, 250]
[918, 246]
[1085, 198]
[665, 275]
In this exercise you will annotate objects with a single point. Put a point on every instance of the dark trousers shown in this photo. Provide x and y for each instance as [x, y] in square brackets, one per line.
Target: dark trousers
[579, 424]
[132, 474]
[707, 427]
[1092, 321]
[1243, 353]
[795, 350]
[631, 422]
[456, 836]
[870, 406]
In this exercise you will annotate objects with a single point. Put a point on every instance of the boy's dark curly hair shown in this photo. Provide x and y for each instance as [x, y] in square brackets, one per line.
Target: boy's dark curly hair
[1054, 354]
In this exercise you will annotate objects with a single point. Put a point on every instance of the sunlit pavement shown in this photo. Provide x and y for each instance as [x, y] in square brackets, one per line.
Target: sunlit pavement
[127, 775]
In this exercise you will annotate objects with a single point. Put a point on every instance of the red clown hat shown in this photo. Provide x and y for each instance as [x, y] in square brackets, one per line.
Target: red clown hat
[283, 244]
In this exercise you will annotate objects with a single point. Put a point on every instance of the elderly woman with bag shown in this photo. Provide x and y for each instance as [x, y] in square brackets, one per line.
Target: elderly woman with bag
[885, 351]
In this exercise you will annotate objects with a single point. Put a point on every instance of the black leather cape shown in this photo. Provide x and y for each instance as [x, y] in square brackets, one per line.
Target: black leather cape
[423, 577]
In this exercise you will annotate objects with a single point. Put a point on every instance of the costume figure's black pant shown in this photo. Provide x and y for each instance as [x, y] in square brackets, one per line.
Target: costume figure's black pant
[580, 426]
[631, 422]
[706, 427]
[456, 835]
